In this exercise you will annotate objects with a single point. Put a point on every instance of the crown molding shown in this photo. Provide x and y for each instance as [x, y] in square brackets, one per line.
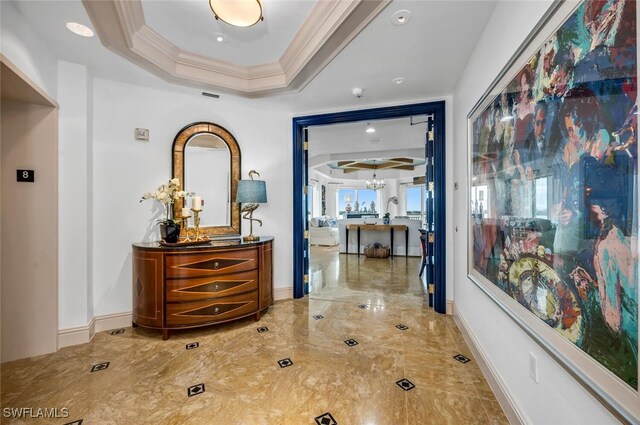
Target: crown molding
[330, 26]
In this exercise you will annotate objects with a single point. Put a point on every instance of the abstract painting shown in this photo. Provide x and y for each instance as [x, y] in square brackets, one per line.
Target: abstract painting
[554, 185]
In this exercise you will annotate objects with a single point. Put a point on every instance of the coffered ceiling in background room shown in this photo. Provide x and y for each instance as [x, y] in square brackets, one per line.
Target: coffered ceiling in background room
[176, 40]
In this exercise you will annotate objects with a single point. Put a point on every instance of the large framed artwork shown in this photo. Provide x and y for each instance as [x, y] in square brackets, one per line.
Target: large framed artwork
[553, 194]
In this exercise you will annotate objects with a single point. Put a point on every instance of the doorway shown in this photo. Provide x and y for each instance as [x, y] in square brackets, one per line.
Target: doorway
[435, 174]
[29, 230]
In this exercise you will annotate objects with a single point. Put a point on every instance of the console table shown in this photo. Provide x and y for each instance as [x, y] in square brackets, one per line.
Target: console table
[188, 287]
[391, 228]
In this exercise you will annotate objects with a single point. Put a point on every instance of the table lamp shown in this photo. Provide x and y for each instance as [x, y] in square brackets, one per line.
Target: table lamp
[251, 193]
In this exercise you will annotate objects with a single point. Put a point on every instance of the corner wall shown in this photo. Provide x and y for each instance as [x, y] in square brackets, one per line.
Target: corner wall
[557, 398]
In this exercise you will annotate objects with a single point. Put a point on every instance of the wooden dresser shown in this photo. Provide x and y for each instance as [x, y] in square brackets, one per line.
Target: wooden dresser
[187, 287]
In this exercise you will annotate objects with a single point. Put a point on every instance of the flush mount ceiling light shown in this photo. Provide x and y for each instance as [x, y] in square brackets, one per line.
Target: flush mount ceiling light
[239, 13]
[219, 37]
[80, 29]
[398, 80]
[401, 17]
[370, 129]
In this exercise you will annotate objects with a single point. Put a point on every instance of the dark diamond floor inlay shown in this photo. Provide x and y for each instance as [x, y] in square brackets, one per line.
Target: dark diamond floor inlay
[351, 342]
[285, 362]
[363, 306]
[262, 329]
[192, 345]
[100, 366]
[318, 317]
[117, 332]
[195, 390]
[325, 419]
[402, 327]
[405, 384]
[462, 358]
[76, 422]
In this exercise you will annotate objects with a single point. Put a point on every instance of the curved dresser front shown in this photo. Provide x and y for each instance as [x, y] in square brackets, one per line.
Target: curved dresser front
[187, 287]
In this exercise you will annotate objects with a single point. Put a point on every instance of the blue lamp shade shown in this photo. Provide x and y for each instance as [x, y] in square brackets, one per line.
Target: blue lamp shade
[251, 191]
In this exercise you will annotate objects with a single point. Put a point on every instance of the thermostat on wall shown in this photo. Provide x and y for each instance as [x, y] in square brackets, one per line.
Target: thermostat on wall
[142, 134]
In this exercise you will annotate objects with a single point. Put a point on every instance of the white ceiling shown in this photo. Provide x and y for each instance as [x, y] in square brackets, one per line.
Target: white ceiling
[349, 141]
[430, 52]
[190, 25]
[352, 137]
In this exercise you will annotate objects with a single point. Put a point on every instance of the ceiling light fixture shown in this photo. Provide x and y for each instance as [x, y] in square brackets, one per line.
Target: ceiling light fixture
[370, 129]
[219, 37]
[239, 13]
[374, 183]
[398, 80]
[80, 29]
[401, 17]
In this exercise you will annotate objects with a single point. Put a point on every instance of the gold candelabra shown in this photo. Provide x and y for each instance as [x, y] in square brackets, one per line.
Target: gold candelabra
[192, 234]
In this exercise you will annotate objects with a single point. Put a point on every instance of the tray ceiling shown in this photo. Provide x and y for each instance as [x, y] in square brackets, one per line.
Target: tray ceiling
[172, 40]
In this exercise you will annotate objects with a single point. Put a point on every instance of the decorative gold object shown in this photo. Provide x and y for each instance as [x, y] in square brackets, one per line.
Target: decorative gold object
[251, 193]
[196, 225]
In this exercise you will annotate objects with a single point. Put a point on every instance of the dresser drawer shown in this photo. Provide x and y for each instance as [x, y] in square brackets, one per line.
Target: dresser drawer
[211, 263]
[192, 289]
[211, 311]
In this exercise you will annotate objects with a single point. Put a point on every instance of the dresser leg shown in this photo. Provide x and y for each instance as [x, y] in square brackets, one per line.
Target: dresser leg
[257, 316]
[165, 334]
[134, 325]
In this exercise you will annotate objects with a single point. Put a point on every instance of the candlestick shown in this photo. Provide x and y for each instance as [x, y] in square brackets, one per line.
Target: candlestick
[186, 212]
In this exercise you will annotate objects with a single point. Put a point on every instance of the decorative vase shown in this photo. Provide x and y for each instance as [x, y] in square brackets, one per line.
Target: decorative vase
[170, 232]
[386, 220]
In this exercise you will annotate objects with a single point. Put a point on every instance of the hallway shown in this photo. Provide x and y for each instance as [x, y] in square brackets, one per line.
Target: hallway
[361, 300]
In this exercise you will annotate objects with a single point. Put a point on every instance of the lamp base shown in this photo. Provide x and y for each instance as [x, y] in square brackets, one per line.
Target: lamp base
[251, 238]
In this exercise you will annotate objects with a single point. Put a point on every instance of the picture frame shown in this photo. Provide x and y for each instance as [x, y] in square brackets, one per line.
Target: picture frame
[553, 184]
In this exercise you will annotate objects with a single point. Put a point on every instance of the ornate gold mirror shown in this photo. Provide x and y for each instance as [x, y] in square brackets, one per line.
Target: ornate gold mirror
[206, 159]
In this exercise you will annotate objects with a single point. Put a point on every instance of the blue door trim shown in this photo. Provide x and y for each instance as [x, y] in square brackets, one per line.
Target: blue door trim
[299, 123]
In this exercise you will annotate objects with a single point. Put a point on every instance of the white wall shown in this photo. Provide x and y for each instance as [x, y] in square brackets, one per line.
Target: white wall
[73, 207]
[557, 398]
[30, 54]
[124, 169]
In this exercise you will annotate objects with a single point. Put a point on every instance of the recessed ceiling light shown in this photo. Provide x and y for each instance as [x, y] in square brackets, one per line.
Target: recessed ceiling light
[401, 17]
[370, 129]
[219, 37]
[80, 29]
[398, 80]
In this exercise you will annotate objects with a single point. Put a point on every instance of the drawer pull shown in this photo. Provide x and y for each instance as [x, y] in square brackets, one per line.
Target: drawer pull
[216, 265]
[215, 288]
[216, 311]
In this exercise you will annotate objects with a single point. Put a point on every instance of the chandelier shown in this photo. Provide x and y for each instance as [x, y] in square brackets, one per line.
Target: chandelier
[239, 13]
[374, 183]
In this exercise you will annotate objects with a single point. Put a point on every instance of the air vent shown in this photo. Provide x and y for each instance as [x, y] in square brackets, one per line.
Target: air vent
[334, 183]
[215, 96]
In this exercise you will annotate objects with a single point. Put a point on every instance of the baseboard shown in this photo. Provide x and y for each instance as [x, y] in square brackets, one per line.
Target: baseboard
[84, 334]
[449, 307]
[77, 335]
[113, 321]
[283, 293]
[493, 379]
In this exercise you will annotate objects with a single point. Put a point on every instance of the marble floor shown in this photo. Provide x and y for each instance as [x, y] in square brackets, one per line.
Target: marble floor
[362, 349]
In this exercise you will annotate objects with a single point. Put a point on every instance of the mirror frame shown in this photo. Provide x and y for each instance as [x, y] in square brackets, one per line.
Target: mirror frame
[179, 144]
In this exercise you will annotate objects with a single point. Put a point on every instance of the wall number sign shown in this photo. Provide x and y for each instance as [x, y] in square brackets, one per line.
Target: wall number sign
[25, 176]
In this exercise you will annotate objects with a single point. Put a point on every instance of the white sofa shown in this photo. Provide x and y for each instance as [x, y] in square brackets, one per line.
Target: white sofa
[327, 236]
[370, 237]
